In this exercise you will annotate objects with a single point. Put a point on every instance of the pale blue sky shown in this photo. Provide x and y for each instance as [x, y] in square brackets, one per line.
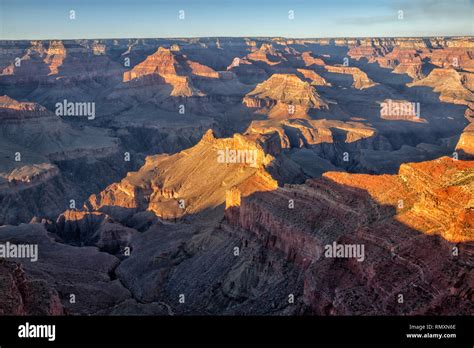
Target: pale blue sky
[49, 19]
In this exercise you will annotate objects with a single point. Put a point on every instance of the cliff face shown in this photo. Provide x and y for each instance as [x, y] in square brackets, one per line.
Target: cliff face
[389, 215]
[444, 198]
[200, 70]
[408, 63]
[287, 89]
[162, 62]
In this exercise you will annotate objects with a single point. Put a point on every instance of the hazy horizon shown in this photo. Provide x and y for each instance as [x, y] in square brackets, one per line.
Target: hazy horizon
[244, 37]
[142, 19]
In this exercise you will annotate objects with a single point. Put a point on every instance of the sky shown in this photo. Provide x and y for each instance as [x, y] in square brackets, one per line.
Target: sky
[51, 19]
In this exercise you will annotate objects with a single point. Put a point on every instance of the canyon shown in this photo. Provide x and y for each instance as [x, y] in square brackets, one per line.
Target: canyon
[136, 211]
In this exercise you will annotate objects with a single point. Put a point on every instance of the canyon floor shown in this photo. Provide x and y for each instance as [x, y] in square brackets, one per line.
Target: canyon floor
[232, 176]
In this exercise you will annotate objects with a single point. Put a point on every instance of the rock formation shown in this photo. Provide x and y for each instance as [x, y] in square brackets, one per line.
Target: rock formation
[309, 60]
[284, 96]
[454, 86]
[266, 54]
[361, 80]
[465, 144]
[410, 55]
[302, 133]
[221, 163]
[163, 67]
[313, 77]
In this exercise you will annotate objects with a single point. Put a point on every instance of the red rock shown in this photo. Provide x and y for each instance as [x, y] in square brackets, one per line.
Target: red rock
[396, 218]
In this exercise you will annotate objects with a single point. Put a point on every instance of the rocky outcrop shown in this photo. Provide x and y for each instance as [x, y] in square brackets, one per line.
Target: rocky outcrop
[306, 133]
[313, 77]
[309, 60]
[266, 54]
[408, 62]
[287, 94]
[361, 80]
[221, 164]
[25, 177]
[162, 68]
[200, 70]
[465, 144]
[169, 67]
